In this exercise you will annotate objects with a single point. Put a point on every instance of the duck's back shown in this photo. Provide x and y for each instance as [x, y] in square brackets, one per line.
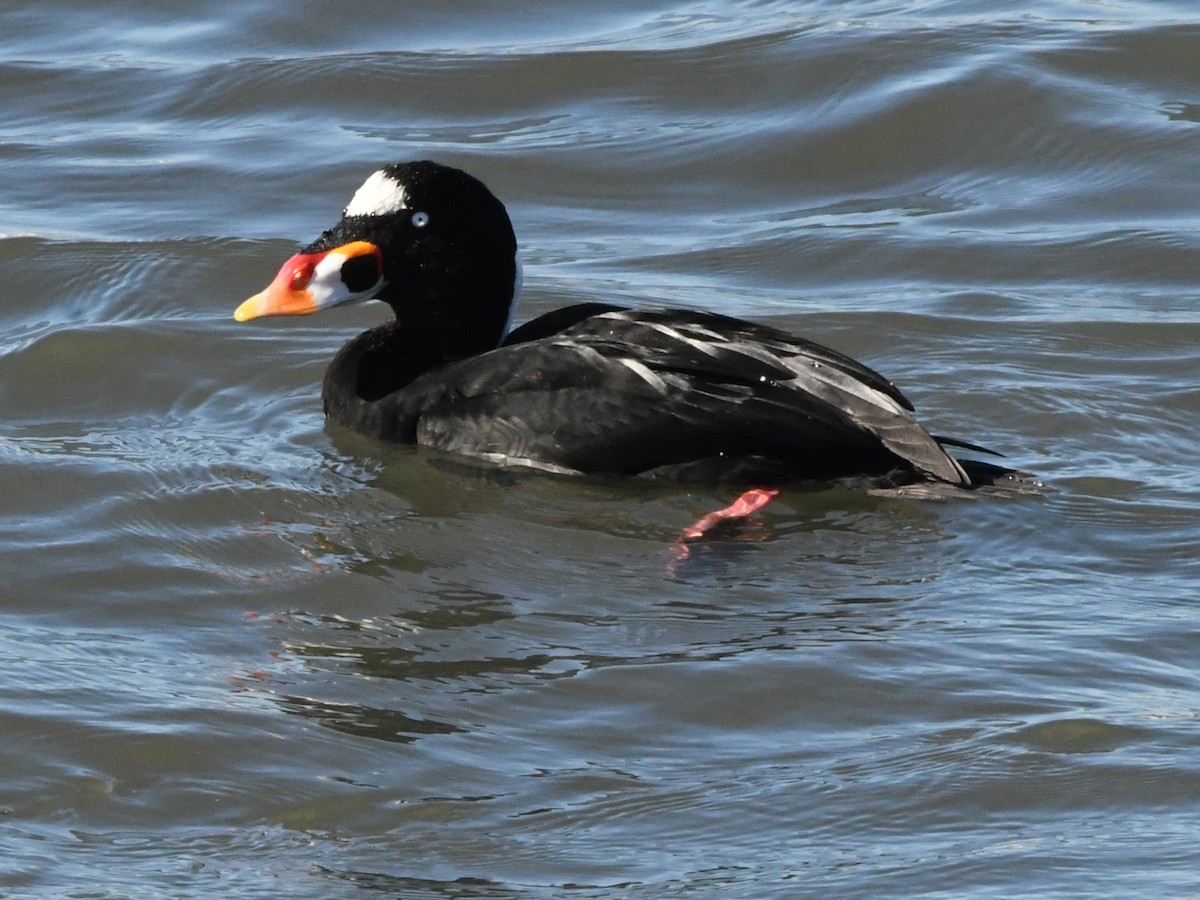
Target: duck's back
[598, 389]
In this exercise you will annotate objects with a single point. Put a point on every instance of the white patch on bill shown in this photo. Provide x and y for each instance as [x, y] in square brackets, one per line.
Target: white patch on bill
[380, 195]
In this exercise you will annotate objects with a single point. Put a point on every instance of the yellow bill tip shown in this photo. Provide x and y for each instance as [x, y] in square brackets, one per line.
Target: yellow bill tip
[249, 309]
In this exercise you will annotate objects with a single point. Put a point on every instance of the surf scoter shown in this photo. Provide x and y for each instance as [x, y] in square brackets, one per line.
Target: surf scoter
[589, 389]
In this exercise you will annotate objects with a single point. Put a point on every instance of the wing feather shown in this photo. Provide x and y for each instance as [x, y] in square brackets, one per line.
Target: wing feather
[629, 390]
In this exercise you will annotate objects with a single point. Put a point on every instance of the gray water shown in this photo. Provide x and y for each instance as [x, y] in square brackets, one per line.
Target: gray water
[244, 655]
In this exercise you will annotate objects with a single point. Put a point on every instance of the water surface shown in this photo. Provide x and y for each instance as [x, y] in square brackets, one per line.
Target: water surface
[247, 655]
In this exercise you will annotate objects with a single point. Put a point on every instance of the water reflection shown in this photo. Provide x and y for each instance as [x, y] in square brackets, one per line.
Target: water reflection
[430, 667]
[364, 721]
[400, 886]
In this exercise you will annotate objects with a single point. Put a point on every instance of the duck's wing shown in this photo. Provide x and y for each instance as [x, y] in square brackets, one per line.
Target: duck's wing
[626, 391]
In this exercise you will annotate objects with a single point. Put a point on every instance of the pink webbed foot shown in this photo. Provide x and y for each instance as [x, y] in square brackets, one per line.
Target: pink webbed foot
[743, 507]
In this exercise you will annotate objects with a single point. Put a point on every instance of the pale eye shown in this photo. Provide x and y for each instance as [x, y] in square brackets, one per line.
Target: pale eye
[420, 219]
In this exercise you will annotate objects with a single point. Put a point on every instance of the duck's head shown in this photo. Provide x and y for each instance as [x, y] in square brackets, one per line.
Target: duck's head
[431, 241]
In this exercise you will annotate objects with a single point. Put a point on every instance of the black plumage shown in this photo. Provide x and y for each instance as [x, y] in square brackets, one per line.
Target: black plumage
[592, 388]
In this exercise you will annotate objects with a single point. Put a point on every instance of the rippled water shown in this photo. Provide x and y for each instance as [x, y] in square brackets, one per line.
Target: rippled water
[244, 655]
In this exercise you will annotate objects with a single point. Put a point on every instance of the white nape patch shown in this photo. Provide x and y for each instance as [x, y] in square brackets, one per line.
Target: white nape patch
[518, 282]
[379, 195]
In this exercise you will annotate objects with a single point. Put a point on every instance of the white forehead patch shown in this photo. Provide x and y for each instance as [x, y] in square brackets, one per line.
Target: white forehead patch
[380, 194]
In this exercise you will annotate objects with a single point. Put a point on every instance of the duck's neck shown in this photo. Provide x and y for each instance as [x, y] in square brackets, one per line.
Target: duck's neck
[389, 356]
